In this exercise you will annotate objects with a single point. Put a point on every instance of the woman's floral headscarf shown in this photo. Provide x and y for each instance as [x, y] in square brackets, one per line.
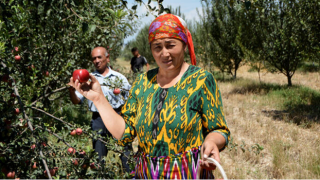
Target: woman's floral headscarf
[171, 26]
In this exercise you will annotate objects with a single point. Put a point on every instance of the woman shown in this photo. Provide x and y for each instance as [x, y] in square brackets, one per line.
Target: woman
[174, 110]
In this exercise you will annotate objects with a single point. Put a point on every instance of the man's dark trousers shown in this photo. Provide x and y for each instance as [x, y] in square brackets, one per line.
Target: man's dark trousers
[99, 147]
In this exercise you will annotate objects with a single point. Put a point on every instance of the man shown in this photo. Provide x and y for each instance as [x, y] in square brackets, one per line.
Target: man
[105, 75]
[138, 61]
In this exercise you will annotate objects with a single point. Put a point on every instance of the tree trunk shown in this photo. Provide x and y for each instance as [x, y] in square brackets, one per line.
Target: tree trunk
[289, 80]
[235, 73]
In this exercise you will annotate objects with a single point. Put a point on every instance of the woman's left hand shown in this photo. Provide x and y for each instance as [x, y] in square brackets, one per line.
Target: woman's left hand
[209, 149]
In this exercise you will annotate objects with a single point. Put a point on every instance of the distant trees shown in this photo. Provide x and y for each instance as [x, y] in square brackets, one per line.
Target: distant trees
[285, 43]
[277, 35]
[222, 27]
[282, 33]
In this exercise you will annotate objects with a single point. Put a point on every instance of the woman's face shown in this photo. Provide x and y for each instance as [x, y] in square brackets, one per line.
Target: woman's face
[168, 53]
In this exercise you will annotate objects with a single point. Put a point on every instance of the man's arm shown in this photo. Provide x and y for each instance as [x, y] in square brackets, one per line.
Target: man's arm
[131, 64]
[146, 63]
[74, 98]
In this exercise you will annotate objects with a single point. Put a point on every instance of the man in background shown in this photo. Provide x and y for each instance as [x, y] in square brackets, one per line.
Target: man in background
[138, 61]
[105, 75]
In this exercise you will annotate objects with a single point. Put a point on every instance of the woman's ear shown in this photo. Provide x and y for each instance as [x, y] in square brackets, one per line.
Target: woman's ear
[185, 47]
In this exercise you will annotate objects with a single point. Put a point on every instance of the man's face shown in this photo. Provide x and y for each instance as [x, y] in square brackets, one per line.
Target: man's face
[99, 59]
[135, 53]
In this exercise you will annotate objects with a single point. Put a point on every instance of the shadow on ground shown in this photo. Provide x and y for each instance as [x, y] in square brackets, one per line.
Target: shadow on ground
[297, 104]
[245, 86]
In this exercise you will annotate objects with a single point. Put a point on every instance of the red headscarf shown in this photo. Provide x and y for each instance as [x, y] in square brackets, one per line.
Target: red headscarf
[171, 26]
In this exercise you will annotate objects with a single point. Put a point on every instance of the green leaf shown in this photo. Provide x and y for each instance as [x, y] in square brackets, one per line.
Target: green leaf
[92, 27]
[134, 7]
[110, 11]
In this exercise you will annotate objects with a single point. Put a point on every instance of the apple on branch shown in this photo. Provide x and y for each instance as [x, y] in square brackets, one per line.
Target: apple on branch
[71, 150]
[73, 133]
[34, 166]
[33, 146]
[11, 174]
[116, 91]
[17, 57]
[17, 111]
[79, 131]
[75, 162]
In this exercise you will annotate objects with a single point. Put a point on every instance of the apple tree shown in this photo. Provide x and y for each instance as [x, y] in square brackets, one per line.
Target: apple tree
[41, 44]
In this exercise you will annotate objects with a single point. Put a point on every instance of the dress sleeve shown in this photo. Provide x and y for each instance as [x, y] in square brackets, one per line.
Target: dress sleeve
[212, 110]
[129, 112]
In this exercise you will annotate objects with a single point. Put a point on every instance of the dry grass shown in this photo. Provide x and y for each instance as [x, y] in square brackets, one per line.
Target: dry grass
[263, 146]
[290, 151]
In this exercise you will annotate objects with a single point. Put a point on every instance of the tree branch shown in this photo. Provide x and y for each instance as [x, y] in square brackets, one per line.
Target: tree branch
[52, 116]
[56, 135]
[45, 164]
[70, 125]
[47, 95]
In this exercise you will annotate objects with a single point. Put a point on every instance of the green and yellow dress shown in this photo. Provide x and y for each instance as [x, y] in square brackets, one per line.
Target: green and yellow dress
[171, 124]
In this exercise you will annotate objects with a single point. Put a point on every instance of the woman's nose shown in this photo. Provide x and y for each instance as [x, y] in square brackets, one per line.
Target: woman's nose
[165, 52]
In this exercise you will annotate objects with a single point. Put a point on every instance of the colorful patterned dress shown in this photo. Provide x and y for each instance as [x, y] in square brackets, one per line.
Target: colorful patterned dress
[171, 123]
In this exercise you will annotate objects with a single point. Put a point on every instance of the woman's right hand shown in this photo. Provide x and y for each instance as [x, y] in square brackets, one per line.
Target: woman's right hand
[91, 89]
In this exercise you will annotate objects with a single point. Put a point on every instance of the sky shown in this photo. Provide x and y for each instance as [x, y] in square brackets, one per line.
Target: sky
[188, 7]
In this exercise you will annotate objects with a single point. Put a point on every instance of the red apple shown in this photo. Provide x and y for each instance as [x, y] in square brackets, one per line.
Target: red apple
[116, 91]
[73, 133]
[44, 144]
[52, 172]
[11, 174]
[5, 78]
[92, 166]
[16, 48]
[23, 125]
[71, 150]
[17, 111]
[13, 95]
[84, 166]
[75, 162]
[17, 58]
[46, 73]
[79, 131]
[82, 152]
[81, 74]
[34, 166]
[33, 146]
